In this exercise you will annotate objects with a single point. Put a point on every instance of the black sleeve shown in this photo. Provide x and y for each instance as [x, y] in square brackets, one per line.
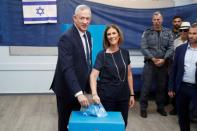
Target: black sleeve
[99, 60]
[128, 58]
[66, 61]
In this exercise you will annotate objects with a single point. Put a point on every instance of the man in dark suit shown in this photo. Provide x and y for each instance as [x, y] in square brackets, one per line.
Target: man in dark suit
[183, 78]
[71, 77]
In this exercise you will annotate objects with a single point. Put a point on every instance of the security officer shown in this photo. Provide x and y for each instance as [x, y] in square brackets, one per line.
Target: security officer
[157, 48]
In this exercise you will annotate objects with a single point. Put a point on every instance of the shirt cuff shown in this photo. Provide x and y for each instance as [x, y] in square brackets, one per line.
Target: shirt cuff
[78, 93]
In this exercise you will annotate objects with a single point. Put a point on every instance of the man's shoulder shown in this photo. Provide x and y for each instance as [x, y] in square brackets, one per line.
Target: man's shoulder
[178, 38]
[181, 47]
[149, 29]
[166, 30]
[70, 32]
[88, 32]
[184, 45]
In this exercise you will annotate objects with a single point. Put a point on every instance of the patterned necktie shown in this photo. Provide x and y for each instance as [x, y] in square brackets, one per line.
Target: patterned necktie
[87, 53]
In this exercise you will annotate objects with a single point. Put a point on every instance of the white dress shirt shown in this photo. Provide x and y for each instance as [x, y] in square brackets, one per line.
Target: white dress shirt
[190, 65]
[84, 47]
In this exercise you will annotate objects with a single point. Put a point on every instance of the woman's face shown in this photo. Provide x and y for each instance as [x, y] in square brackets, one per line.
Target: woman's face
[113, 37]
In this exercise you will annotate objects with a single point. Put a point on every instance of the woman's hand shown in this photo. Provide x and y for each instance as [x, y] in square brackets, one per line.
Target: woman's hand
[96, 98]
[131, 101]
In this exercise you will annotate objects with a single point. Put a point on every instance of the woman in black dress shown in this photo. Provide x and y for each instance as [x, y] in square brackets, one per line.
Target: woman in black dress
[111, 79]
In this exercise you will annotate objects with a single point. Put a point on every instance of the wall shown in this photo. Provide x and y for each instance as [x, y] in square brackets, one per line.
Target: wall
[25, 74]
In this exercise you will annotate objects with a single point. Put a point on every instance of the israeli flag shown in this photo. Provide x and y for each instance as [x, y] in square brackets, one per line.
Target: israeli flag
[39, 11]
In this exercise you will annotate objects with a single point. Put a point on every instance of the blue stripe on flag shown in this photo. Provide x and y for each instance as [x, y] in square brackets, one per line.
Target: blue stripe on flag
[40, 19]
[40, 3]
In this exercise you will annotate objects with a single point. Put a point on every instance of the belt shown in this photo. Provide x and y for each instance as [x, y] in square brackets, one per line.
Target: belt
[189, 84]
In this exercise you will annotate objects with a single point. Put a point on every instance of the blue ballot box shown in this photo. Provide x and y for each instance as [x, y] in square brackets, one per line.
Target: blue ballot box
[112, 122]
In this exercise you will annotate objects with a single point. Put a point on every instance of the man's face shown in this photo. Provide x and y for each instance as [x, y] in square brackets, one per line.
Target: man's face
[157, 21]
[177, 23]
[184, 33]
[193, 35]
[82, 19]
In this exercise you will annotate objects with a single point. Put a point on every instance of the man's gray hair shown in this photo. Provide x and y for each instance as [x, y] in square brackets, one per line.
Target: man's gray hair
[81, 7]
[157, 13]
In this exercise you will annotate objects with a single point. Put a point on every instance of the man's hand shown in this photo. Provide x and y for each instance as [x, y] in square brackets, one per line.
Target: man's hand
[171, 93]
[154, 60]
[158, 62]
[83, 100]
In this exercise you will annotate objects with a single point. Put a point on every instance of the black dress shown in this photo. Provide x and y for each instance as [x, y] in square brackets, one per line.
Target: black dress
[112, 84]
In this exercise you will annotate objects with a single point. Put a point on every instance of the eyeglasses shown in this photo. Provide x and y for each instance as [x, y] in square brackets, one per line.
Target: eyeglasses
[184, 30]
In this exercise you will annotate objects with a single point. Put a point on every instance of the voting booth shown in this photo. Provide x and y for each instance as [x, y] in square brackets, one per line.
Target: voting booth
[112, 122]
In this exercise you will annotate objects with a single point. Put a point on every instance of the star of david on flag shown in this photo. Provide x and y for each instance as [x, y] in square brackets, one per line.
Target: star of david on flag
[39, 11]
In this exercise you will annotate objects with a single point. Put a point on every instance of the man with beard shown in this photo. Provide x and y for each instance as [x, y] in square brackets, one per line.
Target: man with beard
[177, 20]
[183, 78]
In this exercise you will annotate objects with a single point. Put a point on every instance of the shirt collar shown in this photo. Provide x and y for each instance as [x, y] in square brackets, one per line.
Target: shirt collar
[80, 33]
[189, 47]
[152, 28]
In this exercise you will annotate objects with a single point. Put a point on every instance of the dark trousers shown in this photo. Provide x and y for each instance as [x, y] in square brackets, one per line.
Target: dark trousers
[121, 106]
[64, 110]
[173, 102]
[152, 74]
[186, 95]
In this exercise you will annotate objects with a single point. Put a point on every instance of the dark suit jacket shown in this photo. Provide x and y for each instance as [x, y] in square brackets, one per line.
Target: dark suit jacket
[71, 74]
[176, 75]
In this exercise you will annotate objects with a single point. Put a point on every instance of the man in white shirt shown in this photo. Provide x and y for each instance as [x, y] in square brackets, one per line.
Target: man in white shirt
[72, 72]
[183, 31]
[183, 77]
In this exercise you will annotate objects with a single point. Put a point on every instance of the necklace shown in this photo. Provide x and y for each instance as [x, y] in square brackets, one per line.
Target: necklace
[117, 67]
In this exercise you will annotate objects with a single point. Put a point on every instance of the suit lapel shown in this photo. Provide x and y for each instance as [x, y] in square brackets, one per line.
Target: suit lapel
[79, 42]
[182, 55]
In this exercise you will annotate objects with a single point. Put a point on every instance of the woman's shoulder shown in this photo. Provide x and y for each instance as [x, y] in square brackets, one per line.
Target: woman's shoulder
[101, 53]
[124, 51]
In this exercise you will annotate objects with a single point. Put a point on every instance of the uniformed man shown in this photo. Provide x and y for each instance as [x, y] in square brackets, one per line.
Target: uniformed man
[157, 48]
